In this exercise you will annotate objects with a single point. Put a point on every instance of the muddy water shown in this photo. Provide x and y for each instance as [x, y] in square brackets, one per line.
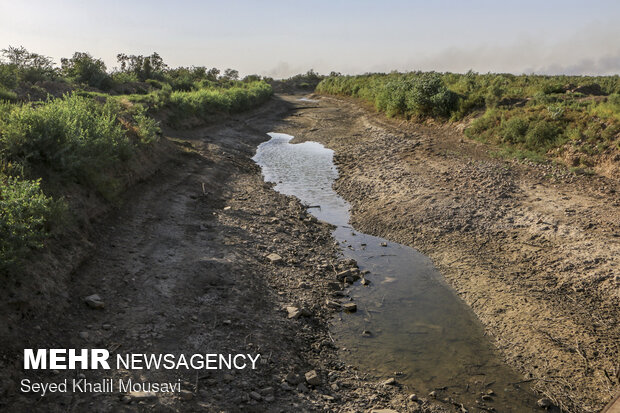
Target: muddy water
[416, 328]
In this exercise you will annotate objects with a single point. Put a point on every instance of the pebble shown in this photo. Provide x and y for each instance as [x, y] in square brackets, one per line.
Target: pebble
[293, 312]
[313, 378]
[141, 396]
[274, 258]
[94, 301]
[413, 397]
[390, 382]
[84, 335]
[256, 396]
[349, 307]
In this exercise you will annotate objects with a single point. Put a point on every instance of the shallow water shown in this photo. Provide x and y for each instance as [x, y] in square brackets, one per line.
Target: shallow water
[421, 333]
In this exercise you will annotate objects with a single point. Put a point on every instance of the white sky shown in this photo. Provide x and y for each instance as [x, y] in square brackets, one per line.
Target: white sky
[281, 38]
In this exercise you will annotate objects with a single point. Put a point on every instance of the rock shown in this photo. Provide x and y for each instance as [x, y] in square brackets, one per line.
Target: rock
[270, 398]
[349, 276]
[84, 335]
[266, 391]
[302, 388]
[141, 396]
[293, 312]
[293, 378]
[486, 397]
[333, 304]
[342, 274]
[413, 397]
[390, 382]
[334, 286]
[349, 307]
[490, 392]
[286, 387]
[545, 403]
[384, 244]
[365, 281]
[186, 395]
[254, 395]
[107, 326]
[433, 394]
[383, 411]
[313, 378]
[274, 258]
[94, 301]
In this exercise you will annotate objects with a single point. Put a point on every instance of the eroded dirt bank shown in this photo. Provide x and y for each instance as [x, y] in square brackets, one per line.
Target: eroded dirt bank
[182, 268]
[534, 250]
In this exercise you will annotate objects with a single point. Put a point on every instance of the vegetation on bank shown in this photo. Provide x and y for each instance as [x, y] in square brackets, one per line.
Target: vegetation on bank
[531, 116]
[80, 125]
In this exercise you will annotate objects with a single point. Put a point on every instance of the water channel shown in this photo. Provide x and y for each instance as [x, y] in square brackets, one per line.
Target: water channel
[410, 324]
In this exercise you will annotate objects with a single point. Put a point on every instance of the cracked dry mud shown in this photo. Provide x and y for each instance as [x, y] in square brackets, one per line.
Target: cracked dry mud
[533, 249]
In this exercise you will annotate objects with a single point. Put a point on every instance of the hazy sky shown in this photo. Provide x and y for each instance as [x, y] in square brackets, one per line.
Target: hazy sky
[280, 38]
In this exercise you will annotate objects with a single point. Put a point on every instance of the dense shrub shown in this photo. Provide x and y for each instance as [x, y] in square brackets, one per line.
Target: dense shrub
[203, 102]
[74, 137]
[24, 212]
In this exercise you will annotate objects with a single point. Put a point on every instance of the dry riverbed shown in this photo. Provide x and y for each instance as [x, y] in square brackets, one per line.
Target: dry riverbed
[203, 257]
[532, 248]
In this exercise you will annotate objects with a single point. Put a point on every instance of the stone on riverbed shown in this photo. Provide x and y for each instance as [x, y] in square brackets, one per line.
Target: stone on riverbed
[274, 258]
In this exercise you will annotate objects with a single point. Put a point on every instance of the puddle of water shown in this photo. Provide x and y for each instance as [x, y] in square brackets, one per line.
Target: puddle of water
[305, 99]
[421, 333]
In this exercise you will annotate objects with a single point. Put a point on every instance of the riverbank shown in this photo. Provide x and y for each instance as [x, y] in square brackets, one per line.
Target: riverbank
[184, 267]
[532, 248]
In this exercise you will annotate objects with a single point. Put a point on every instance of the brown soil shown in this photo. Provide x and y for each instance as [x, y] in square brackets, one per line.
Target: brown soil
[182, 268]
[532, 248]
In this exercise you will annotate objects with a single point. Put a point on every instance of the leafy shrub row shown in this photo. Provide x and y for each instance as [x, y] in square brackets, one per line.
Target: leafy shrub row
[528, 112]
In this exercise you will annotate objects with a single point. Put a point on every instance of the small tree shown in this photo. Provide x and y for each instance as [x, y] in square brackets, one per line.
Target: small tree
[83, 68]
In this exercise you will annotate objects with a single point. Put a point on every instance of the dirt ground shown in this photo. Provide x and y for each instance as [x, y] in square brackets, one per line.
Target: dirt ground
[181, 267]
[532, 248]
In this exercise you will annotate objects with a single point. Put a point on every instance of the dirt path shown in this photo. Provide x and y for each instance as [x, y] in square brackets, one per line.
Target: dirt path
[533, 249]
[182, 269]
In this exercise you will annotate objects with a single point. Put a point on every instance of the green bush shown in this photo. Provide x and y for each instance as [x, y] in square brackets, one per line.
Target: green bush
[514, 130]
[74, 137]
[541, 135]
[24, 212]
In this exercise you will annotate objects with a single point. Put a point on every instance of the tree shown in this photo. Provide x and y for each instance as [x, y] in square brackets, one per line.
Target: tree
[144, 67]
[84, 68]
[29, 67]
[230, 74]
